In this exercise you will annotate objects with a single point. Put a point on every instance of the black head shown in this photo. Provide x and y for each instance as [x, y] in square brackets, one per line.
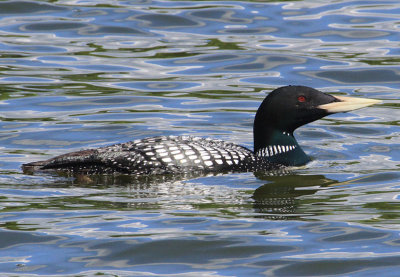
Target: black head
[287, 108]
[290, 107]
[281, 112]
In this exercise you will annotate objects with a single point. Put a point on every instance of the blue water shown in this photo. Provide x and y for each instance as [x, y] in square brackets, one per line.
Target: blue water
[82, 74]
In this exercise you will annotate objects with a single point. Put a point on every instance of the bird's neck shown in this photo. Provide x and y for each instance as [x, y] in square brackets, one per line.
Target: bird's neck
[279, 147]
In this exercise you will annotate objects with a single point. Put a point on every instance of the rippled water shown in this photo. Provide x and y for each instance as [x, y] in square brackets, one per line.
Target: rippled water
[78, 74]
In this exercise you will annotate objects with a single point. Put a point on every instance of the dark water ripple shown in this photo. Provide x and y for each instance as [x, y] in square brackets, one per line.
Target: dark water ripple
[77, 74]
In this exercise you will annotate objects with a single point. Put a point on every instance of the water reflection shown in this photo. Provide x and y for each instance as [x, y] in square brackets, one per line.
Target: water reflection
[195, 243]
[22, 7]
[279, 198]
[119, 222]
[167, 21]
[358, 76]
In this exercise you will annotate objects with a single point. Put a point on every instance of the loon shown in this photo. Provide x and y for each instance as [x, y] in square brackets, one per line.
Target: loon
[275, 147]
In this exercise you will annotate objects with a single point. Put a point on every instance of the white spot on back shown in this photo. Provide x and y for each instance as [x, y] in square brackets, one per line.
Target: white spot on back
[192, 157]
[205, 157]
[166, 160]
[179, 157]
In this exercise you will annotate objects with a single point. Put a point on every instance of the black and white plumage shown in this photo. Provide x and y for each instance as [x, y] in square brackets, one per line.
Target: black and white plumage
[275, 147]
[161, 155]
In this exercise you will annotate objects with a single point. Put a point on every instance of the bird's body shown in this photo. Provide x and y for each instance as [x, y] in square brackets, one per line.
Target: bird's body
[275, 146]
[162, 155]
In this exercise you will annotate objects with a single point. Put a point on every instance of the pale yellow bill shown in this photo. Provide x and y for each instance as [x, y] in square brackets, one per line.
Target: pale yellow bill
[347, 104]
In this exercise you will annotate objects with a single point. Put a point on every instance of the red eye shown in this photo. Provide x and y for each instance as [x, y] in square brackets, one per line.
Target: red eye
[301, 99]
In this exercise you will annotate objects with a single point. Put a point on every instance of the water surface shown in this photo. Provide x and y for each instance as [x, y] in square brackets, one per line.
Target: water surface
[81, 74]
